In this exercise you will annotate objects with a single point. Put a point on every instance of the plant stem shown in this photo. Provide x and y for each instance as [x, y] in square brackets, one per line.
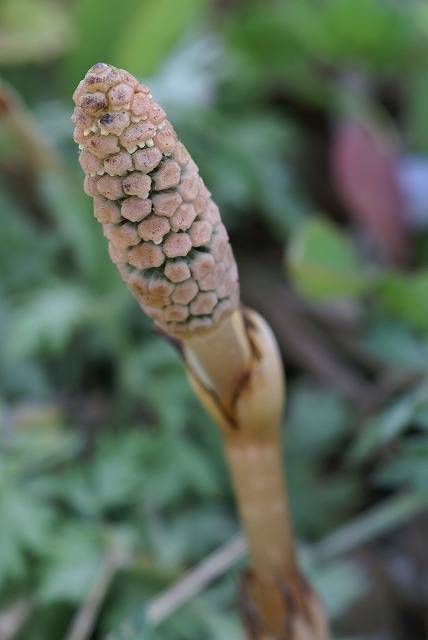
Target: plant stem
[365, 528]
[179, 265]
[194, 581]
[84, 622]
[26, 131]
[369, 525]
[257, 476]
[220, 359]
[248, 408]
[14, 618]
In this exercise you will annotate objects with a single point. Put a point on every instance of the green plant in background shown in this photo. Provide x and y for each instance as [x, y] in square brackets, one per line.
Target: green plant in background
[73, 345]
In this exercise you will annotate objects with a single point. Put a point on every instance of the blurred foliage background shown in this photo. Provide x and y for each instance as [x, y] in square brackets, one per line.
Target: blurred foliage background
[308, 119]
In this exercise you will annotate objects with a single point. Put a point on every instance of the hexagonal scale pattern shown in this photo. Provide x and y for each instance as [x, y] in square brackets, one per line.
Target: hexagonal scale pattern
[165, 233]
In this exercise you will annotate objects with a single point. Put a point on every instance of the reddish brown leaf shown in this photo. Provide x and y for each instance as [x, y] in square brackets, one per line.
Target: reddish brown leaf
[363, 167]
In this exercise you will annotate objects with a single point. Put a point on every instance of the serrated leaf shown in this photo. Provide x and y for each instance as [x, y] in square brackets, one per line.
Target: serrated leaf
[144, 367]
[73, 559]
[171, 477]
[47, 320]
[116, 476]
[25, 527]
[112, 478]
[323, 263]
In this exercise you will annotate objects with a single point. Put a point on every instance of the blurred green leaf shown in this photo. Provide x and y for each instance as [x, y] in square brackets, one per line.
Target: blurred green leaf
[405, 296]
[25, 528]
[334, 499]
[409, 468]
[340, 585]
[72, 212]
[388, 424]
[47, 320]
[395, 344]
[149, 32]
[24, 264]
[248, 178]
[373, 523]
[112, 479]
[73, 557]
[369, 31]
[142, 369]
[213, 526]
[134, 628]
[254, 92]
[417, 109]
[323, 263]
[33, 30]
[97, 29]
[39, 441]
[190, 471]
[307, 38]
[116, 475]
[137, 36]
[319, 420]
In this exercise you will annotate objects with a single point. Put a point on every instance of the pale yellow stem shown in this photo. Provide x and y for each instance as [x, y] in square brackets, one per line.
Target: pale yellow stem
[220, 358]
[245, 395]
[257, 476]
[236, 371]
